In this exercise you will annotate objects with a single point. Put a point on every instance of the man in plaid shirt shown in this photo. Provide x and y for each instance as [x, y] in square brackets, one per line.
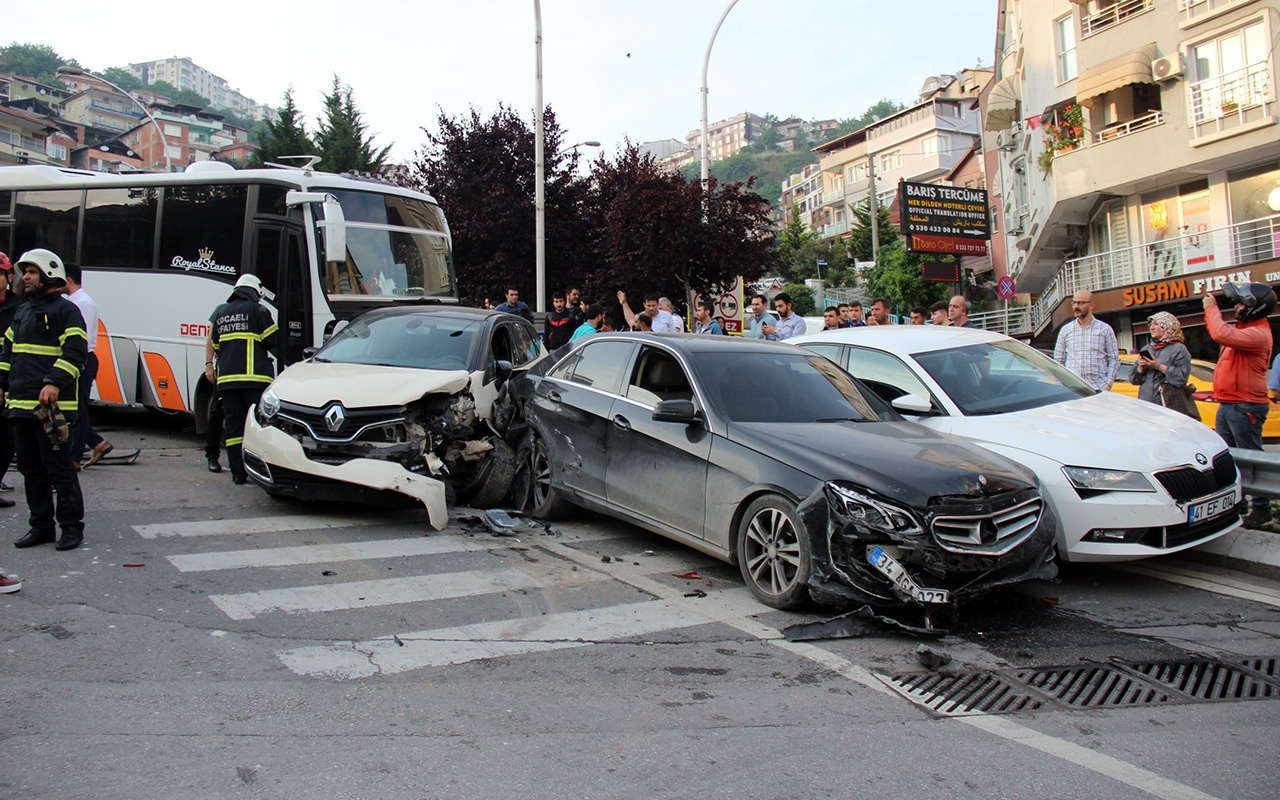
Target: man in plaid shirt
[1087, 346]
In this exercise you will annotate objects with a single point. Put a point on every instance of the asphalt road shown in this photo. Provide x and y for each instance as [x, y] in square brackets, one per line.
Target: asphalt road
[210, 642]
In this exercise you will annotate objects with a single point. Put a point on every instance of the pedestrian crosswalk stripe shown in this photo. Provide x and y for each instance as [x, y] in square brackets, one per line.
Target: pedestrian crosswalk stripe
[444, 646]
[387, 591]
[435, 544]
[296, 522]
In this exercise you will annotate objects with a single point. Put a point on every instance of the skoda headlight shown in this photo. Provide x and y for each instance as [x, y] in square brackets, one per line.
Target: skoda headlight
[269, 404]
[875, 514]
[1092, 479]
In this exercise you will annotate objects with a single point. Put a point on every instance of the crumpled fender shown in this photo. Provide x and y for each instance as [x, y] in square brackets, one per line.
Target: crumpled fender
[285, 451]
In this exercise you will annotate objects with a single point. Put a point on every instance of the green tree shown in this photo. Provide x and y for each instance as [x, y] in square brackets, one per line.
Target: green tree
[123, 78]
[286, 135]
[342, 135]
[897, 275]
[880, 110]
[185, 97]
[801, 299]
[795, 245]
[768, 139]
[860, 230]
[39, 61]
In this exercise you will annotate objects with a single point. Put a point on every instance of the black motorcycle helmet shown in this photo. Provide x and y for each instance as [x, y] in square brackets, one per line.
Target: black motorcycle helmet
[1258, 299]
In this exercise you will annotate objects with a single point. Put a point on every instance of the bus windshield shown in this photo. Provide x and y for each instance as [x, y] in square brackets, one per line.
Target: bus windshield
[396, 247]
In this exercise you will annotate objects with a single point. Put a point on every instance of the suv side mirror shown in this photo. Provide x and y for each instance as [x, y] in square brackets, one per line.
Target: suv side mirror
[502, 370]
[912, 404]
[682, 411]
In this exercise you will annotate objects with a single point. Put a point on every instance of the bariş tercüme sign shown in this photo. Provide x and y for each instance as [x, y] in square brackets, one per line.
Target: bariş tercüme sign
[950, 211]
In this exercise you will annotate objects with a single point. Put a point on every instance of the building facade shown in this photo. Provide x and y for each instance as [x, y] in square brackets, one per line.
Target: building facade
[184, 73]
[1136, 155]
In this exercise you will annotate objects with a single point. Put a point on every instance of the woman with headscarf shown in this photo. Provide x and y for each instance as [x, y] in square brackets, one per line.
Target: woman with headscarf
[1164, 366]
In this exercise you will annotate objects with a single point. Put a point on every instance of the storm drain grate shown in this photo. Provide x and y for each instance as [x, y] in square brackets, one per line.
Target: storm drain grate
[1093, 686]
[965, 693]
[1207, 680]
[1268, 666]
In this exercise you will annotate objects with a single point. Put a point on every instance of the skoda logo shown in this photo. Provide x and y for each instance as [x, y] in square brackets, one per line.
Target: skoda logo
[1201, 460]
[334, 417]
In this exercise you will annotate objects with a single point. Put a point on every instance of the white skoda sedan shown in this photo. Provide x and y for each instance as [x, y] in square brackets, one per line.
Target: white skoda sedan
[1129, 479]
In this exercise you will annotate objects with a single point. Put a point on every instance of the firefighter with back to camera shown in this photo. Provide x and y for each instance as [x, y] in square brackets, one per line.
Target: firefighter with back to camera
[40, 361]
[241, 333]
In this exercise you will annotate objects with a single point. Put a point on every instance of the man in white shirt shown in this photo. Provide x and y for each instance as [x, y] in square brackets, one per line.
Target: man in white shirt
[665, 304]
[82, 433]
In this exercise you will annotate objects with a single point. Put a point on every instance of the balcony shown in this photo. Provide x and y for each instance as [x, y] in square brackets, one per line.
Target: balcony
[834, 197]
[130, 112]
[1242, 243]
[1127, 127]
[1230, 99]
[835, 229]
[1113, 14]
[1013, 321]
[1200, 9]
[18, 140]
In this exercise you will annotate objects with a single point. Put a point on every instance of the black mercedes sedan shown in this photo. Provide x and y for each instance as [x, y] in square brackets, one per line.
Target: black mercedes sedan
[774, 459]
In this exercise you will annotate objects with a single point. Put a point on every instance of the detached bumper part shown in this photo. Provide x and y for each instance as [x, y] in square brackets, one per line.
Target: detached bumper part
[278, 449]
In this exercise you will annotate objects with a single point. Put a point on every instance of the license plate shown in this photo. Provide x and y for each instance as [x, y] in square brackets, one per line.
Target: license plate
[895, 572]
[1212, 507]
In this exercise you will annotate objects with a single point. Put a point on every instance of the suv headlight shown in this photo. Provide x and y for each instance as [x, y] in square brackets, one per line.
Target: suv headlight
[269, 404]
[1091, 479]
[875, 514]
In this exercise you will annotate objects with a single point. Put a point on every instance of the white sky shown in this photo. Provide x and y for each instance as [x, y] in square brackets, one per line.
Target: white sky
[612, 69]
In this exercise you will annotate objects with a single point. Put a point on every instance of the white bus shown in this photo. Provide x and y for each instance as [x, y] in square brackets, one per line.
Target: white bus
[160, 251]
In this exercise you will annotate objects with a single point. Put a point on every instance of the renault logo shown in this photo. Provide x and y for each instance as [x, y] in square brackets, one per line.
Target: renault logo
[334, 417]
[1201, 460]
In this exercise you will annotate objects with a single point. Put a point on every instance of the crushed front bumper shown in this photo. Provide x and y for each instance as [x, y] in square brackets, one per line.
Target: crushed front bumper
[269, 449]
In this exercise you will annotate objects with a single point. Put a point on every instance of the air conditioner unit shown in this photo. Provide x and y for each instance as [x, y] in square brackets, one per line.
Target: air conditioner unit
[1006, 140]
[1168, 68]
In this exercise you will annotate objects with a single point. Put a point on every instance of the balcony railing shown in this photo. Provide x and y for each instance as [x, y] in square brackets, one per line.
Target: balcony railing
[1111, 15]
[126, 112]
[1242, 243]
[834, 197]
[835, 229]
[1215, 101]
[1128, 126]
[1191, 9]
[1014, 321]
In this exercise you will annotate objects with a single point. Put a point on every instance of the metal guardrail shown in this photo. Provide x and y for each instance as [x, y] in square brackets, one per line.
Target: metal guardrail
[1259, 471]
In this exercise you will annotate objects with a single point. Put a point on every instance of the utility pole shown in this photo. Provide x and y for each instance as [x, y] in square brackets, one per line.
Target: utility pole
[875, 207]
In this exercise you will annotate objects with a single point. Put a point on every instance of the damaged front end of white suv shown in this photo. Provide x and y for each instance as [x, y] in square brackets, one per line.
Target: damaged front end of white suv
[378, 434]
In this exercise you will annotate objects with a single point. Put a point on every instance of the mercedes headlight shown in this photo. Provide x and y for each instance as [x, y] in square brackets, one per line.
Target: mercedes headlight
[875, 514]
[269, 404]
[1091, 479]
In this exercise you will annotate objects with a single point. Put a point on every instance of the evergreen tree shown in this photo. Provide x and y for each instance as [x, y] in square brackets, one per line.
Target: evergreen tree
[343, 138]
[286, 135]
[898, 276]
[860, 231]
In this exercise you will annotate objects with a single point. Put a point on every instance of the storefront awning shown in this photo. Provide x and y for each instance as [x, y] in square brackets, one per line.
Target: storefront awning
[1002, 105]
[1130, 68]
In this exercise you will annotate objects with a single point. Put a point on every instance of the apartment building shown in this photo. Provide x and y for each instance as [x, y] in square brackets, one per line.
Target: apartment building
[1135, 154]
[921, 143]
[27, 138]
[802, 192]
[102, 108]
[16, 87]
[190, 134]
[184, 73]
[726, 137]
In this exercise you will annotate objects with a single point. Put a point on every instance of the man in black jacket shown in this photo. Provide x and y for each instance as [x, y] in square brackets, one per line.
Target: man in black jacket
[241, 333]
[558, 323]
[40, 362]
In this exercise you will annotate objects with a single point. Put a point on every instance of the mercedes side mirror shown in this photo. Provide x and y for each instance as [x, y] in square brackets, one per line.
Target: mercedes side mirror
[682, 411]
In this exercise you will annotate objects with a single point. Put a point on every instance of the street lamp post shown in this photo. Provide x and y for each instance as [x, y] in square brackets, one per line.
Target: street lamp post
[706, 62]
[76, 71]
[539, 171]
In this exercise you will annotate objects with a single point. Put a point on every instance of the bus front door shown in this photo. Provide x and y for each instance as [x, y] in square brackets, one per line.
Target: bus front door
[281, 265]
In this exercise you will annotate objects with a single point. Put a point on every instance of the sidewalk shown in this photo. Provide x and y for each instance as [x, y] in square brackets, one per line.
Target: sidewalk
[1254, 551]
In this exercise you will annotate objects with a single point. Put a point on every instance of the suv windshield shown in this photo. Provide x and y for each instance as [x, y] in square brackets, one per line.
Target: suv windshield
[753, 386]
[1000, 377]
[417, 341]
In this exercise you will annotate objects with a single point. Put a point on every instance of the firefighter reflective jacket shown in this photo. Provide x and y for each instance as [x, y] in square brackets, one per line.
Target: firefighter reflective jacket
[46, 344]
[242, 332]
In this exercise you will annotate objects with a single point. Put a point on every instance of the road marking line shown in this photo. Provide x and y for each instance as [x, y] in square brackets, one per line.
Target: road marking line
[1209, 583]
[436, 544]
[384, 592]
[434, 648]
[295, 522]
[1103, 764]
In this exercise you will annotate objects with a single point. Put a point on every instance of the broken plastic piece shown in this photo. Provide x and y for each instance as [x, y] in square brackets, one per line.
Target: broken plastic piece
[397, 639]
[500, 523]
[328, 572]
[695, 593]
[133, 565]
[605, 559]
[692, 575]
[861, 621]
[930, 658]
[1049, 601]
